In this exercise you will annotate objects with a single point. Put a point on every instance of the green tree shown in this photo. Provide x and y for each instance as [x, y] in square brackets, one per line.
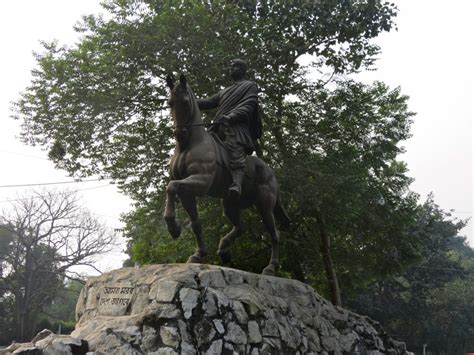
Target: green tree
[7, 319]
[7, 310]
[98, 108]
[60, 313]
[432, 301]
[63, 307]
[344, 183]
[44, 235]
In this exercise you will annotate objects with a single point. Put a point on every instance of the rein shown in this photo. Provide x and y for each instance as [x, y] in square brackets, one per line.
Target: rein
[188, 125]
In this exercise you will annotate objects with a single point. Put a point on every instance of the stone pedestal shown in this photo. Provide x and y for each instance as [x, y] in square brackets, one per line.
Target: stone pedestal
[203, 309]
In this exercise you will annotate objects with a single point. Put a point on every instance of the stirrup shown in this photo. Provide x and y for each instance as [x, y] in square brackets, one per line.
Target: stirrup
[234, 191]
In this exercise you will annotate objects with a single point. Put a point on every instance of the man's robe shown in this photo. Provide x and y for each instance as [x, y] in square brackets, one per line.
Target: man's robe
[238, 103]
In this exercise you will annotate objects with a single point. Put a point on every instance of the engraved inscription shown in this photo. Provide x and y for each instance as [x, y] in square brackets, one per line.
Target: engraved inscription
[114, 300]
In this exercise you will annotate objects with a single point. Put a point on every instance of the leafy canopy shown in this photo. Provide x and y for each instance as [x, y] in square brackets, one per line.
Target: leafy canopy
[99, 108]
[432, 302]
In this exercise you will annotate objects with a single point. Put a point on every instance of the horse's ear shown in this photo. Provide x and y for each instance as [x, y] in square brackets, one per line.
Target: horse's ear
[169, 81]
[182, 80]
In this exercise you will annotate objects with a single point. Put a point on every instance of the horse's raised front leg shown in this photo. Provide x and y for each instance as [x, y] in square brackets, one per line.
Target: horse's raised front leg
[170, 210]
[189, 204]
[232, 212]
[187, 189]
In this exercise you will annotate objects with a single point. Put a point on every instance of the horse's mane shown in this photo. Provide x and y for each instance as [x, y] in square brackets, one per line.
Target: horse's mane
[195, 111]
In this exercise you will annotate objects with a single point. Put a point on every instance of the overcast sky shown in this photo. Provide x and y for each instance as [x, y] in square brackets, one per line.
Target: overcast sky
[430, 57]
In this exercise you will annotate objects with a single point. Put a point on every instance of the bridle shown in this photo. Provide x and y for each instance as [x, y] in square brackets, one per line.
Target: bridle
[188, 124]
[182, 131]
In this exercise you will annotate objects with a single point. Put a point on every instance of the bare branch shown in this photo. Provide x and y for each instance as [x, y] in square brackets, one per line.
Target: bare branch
[50, 234]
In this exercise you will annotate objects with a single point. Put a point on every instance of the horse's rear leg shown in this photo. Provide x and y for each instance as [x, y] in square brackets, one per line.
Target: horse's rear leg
[189, 204]
[232, 212]
[265, 205]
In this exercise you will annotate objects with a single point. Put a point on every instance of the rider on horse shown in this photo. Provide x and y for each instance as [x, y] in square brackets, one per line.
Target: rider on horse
[195, 170]
[237, 108]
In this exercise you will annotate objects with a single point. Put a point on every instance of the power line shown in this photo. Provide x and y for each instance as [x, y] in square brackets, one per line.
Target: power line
[23, 155]
[56, 194]
[51, 183]
[106, 215]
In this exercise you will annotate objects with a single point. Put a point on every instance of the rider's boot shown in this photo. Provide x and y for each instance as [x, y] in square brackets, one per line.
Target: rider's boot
[236, 188]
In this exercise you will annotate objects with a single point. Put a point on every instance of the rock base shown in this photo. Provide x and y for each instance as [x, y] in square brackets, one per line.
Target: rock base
[48, 343]
[202, 309]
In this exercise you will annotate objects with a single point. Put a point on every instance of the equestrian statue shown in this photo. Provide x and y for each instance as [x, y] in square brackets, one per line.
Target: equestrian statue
[217, 163]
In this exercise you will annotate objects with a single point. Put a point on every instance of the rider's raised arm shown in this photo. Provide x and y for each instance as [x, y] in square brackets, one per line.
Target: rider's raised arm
[207, 104]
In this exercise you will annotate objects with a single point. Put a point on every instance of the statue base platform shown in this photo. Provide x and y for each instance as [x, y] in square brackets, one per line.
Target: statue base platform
[204, 309]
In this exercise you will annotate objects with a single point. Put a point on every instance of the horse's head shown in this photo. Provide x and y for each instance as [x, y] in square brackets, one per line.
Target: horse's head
[183, 107]
[181, 101]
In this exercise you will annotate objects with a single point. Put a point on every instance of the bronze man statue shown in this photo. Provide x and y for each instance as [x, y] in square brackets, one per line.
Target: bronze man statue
[236, 107]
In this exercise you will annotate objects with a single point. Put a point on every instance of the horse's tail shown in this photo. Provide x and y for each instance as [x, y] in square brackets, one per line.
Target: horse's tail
[280, 213]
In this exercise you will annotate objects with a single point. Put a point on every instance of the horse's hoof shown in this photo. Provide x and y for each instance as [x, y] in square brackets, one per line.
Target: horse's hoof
[175, 231]
[225, 256]
[270, 270]
[194, 259]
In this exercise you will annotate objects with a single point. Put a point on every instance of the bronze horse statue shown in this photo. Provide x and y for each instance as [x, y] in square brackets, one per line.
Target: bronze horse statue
[194, 172]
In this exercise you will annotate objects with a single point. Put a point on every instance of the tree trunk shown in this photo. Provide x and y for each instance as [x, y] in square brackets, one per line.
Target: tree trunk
[297, 272]
[328, 264]
[20, 326]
